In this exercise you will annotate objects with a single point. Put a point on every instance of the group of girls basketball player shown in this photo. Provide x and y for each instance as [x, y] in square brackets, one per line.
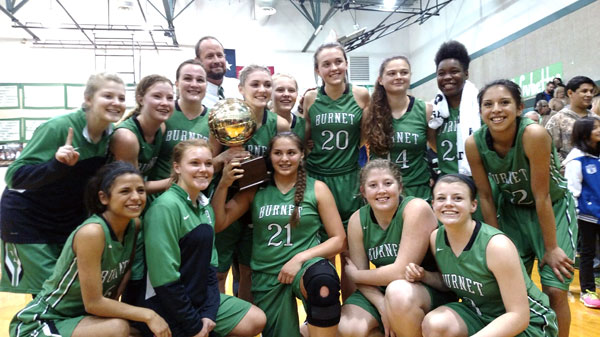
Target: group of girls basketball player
[167, 256]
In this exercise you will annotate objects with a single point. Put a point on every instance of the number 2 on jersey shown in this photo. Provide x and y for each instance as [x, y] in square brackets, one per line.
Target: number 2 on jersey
[447, 155]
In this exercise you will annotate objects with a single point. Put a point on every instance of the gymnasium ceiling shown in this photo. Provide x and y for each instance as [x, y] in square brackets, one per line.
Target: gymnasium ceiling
[152, 24]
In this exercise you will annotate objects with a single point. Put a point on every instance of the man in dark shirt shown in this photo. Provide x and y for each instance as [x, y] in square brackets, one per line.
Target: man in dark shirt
[546, 94]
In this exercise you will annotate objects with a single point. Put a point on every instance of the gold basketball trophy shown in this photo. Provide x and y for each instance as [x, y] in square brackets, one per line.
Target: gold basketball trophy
[232, 124]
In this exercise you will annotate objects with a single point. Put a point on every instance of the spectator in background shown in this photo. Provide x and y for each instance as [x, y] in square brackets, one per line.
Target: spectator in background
[543, 109]
[546, 94]
[556, 105]
[558, 81]
[533, 115]
[580, 90]
[560, 92]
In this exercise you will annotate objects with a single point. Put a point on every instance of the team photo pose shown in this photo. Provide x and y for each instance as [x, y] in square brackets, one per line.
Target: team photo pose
[256, 88]
[390, 232]
[534, 207]
[81, 296]
[396, 126]
[455, 111]
[481, 265]
[189, 119]
[43, 201]
[581, 167]
[288, 259]
[181, 259]
[285, 93]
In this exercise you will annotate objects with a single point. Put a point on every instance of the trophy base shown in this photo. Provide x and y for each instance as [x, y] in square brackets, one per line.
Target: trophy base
[255, 173]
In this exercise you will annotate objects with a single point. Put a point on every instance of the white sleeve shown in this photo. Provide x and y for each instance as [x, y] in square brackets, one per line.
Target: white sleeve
[574, 177]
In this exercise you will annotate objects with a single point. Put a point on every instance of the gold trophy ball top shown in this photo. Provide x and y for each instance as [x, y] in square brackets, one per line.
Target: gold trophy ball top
[231, 122]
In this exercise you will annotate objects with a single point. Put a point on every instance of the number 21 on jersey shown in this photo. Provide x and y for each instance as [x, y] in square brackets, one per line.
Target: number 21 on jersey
[276, 240]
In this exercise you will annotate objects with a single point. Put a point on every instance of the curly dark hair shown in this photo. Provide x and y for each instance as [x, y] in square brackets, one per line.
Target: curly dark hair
[453, 50]
[378, 123]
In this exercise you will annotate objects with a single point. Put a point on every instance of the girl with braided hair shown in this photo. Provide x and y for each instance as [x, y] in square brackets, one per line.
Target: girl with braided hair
[288, 260]
[396, 127]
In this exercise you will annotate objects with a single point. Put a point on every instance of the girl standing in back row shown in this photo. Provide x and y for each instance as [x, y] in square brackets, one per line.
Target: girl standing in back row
[334, 113]
[396, 126]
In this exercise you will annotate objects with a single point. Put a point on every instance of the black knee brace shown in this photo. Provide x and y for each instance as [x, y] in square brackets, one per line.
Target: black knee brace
[322, 311]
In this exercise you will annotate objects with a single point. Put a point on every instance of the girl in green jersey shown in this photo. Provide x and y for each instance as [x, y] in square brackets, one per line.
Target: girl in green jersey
[80, 298]
[190, 117]
[333, 114]
[139, 134]
[482, 266]
[285, 93]
[43, 200]
[534, 209]
[288, 258]
[390, 232]
[256, 88]
[181, 259]
[137, 140]
[397, 126]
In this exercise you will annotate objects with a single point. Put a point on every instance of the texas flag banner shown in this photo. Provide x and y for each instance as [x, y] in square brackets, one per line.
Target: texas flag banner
[230, 60]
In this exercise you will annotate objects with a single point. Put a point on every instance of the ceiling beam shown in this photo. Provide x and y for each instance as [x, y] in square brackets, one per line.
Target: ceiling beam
[13, 7]
[410, 17]
[109, 44]
[184, 8]
[17, 22]
[76, 24]
[169, 9]
[168, 6]
[314, 17]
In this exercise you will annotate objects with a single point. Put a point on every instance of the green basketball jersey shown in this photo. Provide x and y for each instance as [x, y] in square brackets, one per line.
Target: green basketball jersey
[60, 297]
[298, 126]
[179, 128]
[274, 240]
[335, 131]
[409, 144]
[257, 145]
[381, 245]
[512, 173]
[469, 277]
[445, 141]
[148, 153]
